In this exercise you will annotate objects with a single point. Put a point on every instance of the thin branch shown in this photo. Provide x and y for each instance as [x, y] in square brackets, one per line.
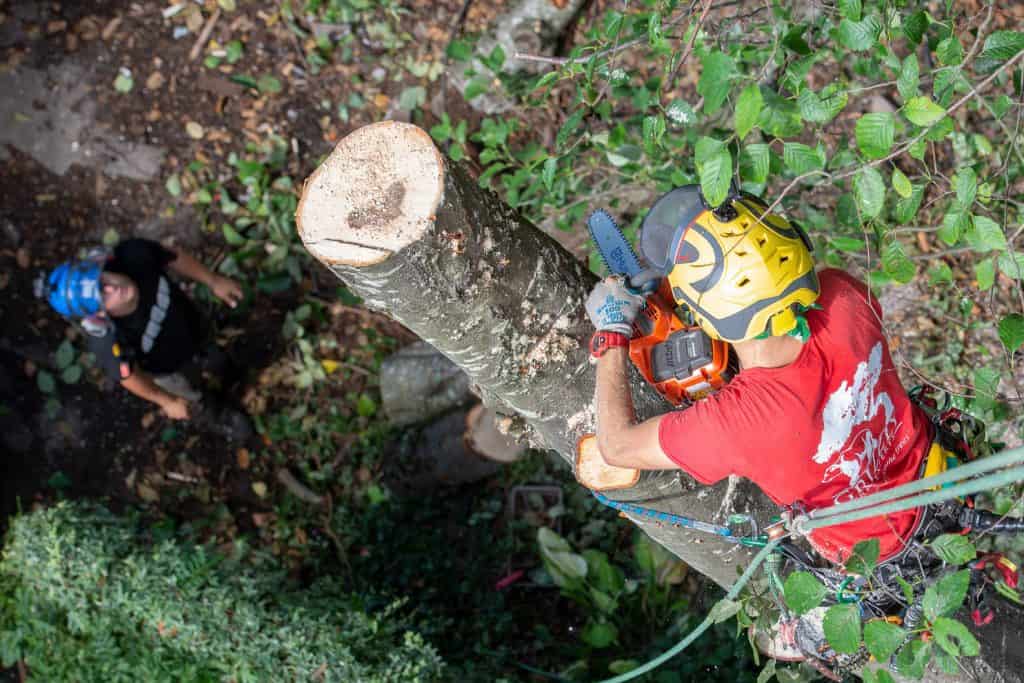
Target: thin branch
[693, 40]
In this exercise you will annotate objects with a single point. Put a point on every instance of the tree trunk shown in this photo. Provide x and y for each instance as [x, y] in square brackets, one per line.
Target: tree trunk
[416, 237]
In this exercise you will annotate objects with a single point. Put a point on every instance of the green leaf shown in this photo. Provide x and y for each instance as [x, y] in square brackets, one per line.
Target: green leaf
[940, 274]
[915, 25]
[800, 158]
[908, 590]
[714, 167]
[780, 116]
[621, 666]
[548, 172]
[842, 628]
[849, 9]
[847, 244]
[755, 162]
[366, 406]
[869, 191]
[954, 224]
[1011, 331]
[767, 673]
[45, 382]
[950, 51]
[876, 676]
[883, 639]
[985, 235]
[954, 548]
[860, 35]
[1012, 265]
[748, 108]
[823, 108]
[906, 208]
[65, 355]
[71, 374]
[653, 131]
[803, 591]
[717, 70]
[476, 87]
[921, 111]
[569, 127]
[680, 113]
[999, 48]
[909, 78]
[723, 610]
[986, 387]
[875, 134]
[945, 596]
[232, 236]
[954, 638]
[599, 634]
[965, 182]
[412, 98]
[901, 184]
[173, 185]
[459, 50]
[896, 264]
[124, 83]
[268, 85]
[864, 557]
[913, 659]
[985, 274]
[794, 40]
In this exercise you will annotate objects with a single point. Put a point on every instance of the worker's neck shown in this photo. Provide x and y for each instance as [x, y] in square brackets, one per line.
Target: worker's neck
[773, 352]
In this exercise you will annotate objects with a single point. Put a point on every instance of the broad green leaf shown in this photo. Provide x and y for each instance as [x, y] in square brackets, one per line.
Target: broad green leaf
[842, 628]
[954, 224]
[723, 610]
[848, 244]
[906, 208]
[869, 191]
[999, 47]
[268, 84]
[680, 113]
[954, 548]
[412, 98]
[71, 374]
[915, 25]
[921, 111]
[717, 70]
[653, 131]
[901, 184]
[803, 592]
[45, 382]
[824, 106]
[232, 236]
[909, 78]
[714, 167]
[950, 51]
[896, 264]
[913, 658]
[748, 108]
[767, 673]
[621, 666]
[986, 385]
[965, 182]
[985, 235]
[547, 174]
[985, 274]
[780, 117]
[755, 162]
[1012, 265]
[800, 158]
[599, 634]
[460, 50]
[849, 9]
[654, 36]
[1011, 331]
[883, 639]
[908, 590]
[65, 355]
[864, 557]
[954, 638]
[568, 128]
[875, 134]
[173, 185]
[940, 274]
[794, 40]
[945, 596]
[860, 35]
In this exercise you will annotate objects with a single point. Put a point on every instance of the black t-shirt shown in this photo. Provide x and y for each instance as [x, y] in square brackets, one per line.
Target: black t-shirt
[165, 329]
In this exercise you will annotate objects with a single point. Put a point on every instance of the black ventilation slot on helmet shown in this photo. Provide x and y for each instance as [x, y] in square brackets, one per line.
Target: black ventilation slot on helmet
[744, 282]
[761, 240]
[783, 259]
[741, 253]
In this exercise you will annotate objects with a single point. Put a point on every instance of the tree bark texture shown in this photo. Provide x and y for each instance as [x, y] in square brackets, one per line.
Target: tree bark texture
[501, 299]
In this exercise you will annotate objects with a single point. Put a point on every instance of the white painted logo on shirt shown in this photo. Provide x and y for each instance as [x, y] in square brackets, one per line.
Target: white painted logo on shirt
[848, 443]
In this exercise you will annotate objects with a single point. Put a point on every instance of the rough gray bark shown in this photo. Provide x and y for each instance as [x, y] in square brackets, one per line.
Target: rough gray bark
[418, 383]
[501, 299]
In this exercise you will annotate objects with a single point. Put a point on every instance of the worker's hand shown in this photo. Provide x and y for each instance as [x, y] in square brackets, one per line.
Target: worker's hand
[645, 282]
[613, 305]
[227, 290]
[176, 408]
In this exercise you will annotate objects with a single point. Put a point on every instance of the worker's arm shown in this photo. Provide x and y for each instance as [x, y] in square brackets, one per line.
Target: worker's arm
[225, 289]
[622, 441]
[612, 307]
[143, 386]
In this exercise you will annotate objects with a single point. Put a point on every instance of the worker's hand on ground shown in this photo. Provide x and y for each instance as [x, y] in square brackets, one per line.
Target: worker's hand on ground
[176, 408]
[613, 305]
[227, 290]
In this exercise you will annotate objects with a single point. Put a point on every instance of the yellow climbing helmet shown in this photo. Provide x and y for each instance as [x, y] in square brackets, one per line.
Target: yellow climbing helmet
[739, 274]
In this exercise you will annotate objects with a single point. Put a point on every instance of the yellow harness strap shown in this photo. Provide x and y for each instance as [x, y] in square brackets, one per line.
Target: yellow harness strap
[938, 461]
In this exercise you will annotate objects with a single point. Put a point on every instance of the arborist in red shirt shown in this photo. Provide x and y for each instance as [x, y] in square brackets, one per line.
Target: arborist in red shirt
[816, 414]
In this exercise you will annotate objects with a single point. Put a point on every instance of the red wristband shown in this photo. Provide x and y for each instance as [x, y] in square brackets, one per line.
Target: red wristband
[602, 340]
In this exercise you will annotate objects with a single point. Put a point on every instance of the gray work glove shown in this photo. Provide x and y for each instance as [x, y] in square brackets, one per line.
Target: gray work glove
[613, 304]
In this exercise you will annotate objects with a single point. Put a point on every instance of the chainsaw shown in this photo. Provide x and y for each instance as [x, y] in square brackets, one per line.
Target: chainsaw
[672, 354]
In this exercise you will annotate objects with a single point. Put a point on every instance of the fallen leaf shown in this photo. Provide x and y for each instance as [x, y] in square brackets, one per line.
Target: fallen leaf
[147, 493]
[259, 488]
[243, 458]
[194, 130]
[155, 81]
[381, 100]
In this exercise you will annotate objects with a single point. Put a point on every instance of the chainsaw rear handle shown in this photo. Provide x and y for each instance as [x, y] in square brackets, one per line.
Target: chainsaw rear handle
[982, 520]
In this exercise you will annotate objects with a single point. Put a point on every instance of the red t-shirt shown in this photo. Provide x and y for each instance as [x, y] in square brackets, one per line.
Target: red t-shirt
[833, 425]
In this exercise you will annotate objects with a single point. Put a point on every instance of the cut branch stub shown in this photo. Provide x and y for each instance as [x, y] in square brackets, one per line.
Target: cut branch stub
[416, 237]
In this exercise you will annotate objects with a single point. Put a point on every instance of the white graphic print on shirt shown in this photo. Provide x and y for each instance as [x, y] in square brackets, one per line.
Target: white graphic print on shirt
[863, 454]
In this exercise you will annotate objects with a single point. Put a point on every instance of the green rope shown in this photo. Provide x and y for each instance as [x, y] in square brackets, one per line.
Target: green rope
[704, 625]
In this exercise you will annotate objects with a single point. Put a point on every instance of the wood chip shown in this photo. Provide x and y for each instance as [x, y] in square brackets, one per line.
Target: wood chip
[194, 130]
[111, 27]
[155, 81]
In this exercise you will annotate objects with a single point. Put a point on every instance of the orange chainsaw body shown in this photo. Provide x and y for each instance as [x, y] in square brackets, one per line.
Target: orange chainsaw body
[679, 360]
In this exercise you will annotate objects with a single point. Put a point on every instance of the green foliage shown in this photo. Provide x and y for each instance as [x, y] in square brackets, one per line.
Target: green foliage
[842, 627]
[87, 593]
[954, 548]
[803, 592]
[882, 639]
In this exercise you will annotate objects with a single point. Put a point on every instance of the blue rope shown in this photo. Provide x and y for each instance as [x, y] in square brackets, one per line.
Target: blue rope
[674, 520]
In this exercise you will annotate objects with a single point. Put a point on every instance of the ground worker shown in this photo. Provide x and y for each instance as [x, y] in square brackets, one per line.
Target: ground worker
[145, 333]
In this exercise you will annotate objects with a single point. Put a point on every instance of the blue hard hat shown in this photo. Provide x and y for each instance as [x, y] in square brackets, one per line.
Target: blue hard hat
[73, 288]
